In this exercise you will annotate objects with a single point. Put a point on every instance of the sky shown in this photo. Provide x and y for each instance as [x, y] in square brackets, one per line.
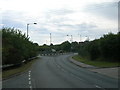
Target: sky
[81, 19]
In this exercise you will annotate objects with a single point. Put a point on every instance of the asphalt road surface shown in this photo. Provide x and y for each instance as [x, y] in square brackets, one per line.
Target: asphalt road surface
[58, 72]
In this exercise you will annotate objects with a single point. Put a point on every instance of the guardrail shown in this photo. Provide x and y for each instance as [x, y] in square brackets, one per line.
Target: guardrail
[9, 66]
[52, 54]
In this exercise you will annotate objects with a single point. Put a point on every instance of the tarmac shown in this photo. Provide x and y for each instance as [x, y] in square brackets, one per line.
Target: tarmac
[111, 72]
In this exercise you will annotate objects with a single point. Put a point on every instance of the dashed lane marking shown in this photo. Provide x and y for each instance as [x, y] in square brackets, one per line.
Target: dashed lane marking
[29, 75]
[29, 82]
[30, 86]
[29, 78]
[29, 71]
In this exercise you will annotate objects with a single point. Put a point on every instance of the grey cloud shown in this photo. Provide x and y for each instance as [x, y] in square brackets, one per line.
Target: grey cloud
[61, 11]
[79, 26]
[11, 19]
[107, 9]
[58, 15]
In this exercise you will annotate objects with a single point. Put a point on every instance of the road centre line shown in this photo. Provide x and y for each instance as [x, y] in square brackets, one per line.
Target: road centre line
[29, 71]
[29, 75]
[30, 86]
[29, 82]
[29, 78]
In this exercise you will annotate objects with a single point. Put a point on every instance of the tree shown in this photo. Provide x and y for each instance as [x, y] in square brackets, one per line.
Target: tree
[16, 46]
[66, 46]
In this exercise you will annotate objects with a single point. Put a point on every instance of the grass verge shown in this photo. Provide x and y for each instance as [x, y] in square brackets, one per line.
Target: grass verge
[8, 73]
[99, 63]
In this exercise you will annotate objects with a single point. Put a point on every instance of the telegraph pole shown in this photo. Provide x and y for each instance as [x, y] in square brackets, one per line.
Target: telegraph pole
[50, 39]
[79, 37]
[71, 38]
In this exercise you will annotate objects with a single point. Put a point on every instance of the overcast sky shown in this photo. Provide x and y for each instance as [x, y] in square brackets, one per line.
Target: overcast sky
[79, 18]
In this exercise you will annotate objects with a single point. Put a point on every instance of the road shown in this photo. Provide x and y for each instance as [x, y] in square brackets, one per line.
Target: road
[58, 72]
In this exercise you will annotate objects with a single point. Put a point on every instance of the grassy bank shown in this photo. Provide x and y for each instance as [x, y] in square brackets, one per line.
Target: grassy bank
[99, 63]
[8, 73]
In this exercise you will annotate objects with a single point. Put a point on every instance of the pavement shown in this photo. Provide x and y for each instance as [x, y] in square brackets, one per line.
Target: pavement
[111, 72]
[58, 72]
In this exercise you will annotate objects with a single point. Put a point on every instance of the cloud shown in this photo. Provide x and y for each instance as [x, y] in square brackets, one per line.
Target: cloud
[107, 10]
[13, 19]
[61, 18]
[61, 11]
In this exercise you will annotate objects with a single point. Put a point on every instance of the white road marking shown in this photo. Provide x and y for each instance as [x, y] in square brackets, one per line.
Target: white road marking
[29, 71]
[30, 86]
[29, 78]
[99, 87]
[29, 75]
[29, 82]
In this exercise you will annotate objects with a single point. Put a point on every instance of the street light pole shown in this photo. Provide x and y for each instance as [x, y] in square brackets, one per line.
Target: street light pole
[50, 39]
[28, 27]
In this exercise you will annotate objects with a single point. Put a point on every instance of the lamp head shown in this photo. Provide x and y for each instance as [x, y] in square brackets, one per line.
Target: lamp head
[35, 23]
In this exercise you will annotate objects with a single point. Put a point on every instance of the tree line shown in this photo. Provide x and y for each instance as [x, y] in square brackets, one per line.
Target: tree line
[16, 47]
[105, 48]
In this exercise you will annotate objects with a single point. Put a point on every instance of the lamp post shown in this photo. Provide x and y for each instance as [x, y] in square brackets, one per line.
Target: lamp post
[28, 27]
[71, 38]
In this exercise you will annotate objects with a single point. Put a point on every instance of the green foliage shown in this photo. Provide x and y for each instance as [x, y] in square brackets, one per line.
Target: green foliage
[74, 46]
[106, 47]
[66, 46]
[16, 46]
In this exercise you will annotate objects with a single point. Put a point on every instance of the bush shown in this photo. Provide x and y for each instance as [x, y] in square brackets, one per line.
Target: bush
[107, 47]
[16, 46]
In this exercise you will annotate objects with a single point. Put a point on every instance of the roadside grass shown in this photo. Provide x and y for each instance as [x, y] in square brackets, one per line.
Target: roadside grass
[98, 63]
[8, 73]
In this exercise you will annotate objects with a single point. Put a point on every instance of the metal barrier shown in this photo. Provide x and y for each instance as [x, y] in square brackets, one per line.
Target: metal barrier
[52, 54]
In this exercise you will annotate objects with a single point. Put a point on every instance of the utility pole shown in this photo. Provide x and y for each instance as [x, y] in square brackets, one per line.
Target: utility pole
[87, 38]
[71, 38]
[50, 39]
[46, 42]
[79, 37]
[68, 38]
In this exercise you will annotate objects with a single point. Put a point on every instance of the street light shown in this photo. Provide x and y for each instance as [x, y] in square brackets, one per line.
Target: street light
[28, 27]
[71, 39]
